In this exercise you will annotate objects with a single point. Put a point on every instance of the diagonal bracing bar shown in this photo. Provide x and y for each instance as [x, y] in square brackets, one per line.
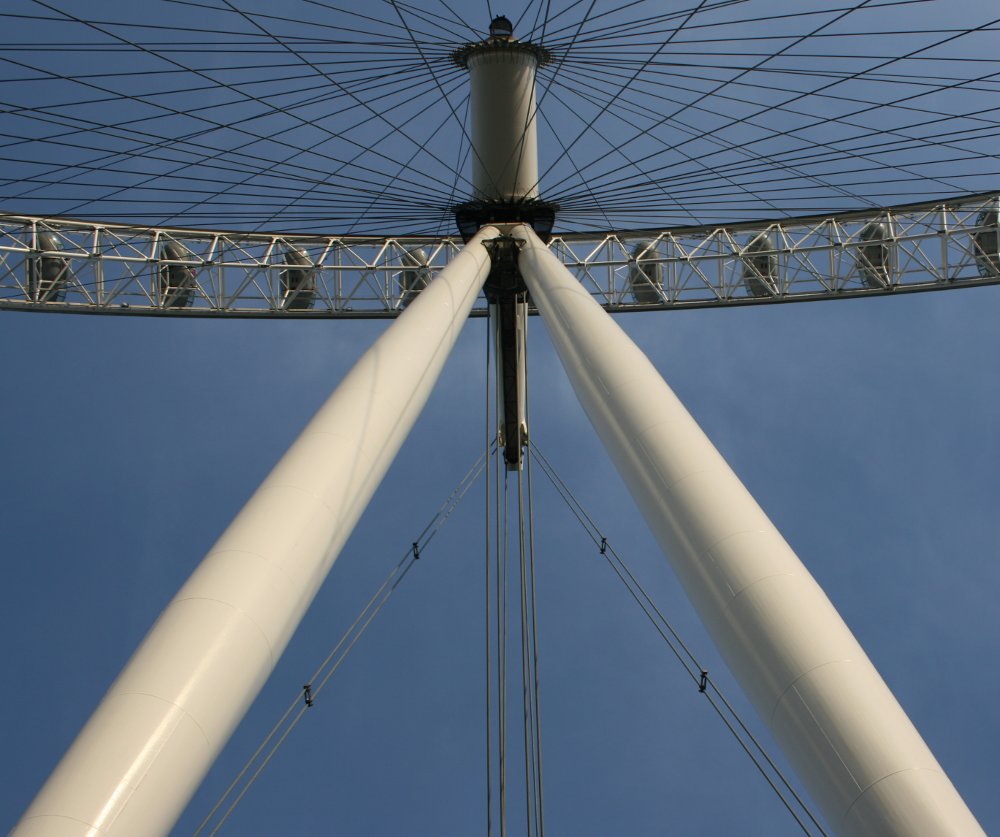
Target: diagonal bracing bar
[138, 760]
[847, 737]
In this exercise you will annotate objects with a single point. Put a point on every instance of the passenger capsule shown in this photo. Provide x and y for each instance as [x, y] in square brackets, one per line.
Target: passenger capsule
[875, 255]
[298, 281]
[415, 275]
[645, 275]
[985, 243]
[48, 275]
[760, 267]
[176, 280]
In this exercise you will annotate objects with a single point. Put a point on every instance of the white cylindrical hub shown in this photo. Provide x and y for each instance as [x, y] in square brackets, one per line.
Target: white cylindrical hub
[504, 128]
[144, 751]
[850, 741]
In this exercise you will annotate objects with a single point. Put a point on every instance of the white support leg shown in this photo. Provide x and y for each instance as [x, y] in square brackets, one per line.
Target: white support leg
[136, 763]
[849, 740]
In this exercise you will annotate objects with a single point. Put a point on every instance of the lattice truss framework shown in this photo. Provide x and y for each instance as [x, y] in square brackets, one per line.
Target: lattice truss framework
[62, 265]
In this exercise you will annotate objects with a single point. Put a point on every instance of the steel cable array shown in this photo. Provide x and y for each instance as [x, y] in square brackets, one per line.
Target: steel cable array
[330, 119]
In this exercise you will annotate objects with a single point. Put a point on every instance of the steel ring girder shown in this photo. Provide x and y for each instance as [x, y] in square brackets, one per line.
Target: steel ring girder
[70, 266]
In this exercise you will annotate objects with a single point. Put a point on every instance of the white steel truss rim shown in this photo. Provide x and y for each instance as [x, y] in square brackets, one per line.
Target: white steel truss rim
[63, 266]
[204, 233]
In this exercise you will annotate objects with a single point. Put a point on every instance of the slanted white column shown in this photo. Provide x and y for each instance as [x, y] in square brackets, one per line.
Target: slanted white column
[135, 765]
[847, 737]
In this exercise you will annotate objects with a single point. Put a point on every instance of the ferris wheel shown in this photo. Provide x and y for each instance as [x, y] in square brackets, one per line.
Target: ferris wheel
[327, 161]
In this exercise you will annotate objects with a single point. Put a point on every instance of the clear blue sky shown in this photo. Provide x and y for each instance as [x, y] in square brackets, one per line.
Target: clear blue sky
[868, 430]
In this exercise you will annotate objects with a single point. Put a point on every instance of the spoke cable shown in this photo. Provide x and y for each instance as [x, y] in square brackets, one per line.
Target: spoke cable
[804, 95]
[623, 87]
[668, 118]
[809, 145]
[245, 95]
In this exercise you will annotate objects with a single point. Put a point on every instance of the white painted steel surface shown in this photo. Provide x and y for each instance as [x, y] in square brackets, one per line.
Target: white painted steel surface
[136, 763]
[504, 126]
[849, 740]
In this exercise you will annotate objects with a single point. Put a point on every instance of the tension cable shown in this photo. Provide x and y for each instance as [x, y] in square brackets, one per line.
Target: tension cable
[723, 708]
[306, 698]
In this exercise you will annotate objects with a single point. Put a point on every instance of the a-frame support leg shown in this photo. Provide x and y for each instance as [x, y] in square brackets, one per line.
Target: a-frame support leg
[849, 740]
[145, 749]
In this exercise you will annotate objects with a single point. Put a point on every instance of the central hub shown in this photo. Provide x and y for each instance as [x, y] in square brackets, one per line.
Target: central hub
[505, 191]
[503, 131]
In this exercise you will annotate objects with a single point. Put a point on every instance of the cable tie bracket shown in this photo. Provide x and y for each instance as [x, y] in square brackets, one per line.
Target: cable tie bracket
[307, 694]
[703, 682]
[416, 551]
[604, 545]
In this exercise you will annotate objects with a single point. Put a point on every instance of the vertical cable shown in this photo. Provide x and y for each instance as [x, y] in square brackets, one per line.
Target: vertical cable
[486, 580]
[502, 638]
[501, 617]
[525, 678]
[540, 805]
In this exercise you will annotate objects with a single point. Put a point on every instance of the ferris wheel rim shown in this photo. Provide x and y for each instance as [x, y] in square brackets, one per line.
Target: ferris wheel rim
[67, 266]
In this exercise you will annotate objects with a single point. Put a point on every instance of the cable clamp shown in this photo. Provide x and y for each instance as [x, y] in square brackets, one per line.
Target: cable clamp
[307, 694]
[604, 546]
[703, 682]
[416, 551]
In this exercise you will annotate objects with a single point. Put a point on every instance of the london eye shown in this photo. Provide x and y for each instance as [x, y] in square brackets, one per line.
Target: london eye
[300, 176]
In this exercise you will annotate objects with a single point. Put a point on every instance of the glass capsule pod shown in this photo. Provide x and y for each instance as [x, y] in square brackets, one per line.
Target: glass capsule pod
[415, 275]
[47, 275]
[985, 244]
[176, 280]
[760, 266]
[298, 281]
[645, 275]
[876, 254]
